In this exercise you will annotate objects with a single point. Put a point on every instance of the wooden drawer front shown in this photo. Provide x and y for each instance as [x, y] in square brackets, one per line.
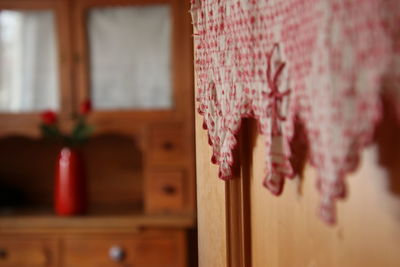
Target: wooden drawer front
[165, 191]
[24, 253]
[156, 251]
[166, 145]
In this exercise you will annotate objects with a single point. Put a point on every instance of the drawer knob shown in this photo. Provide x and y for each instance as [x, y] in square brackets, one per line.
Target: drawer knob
[168, 145]
[116, 253]
[169, 189]
[3, 254]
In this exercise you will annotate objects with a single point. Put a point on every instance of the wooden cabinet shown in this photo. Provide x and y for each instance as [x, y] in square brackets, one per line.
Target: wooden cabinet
[140, 160]
[155, 248]
[125, 96]
[160, 249]
[166, 145]
[27, 251]
[165, 191]
[98, 241]
[162, 129]
[49, 21]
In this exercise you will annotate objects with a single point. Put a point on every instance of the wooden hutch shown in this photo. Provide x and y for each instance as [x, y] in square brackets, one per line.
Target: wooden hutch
[140, 160]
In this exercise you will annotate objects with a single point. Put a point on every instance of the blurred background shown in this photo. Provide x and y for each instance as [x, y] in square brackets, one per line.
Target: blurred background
[111, 83]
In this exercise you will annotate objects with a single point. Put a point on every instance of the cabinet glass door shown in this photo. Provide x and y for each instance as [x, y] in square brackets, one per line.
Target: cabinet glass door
[130, 57]
[28, 61]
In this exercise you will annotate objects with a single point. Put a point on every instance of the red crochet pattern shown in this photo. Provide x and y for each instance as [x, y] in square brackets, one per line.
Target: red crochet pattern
[321, 61]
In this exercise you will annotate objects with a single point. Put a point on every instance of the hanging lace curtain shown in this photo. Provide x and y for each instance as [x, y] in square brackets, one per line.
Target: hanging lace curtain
[322, 63]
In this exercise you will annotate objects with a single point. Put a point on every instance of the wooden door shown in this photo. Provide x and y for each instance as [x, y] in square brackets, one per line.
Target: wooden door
[241, 224]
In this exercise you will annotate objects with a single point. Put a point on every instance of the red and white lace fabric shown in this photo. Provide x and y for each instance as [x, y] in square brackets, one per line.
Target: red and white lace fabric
[320, 61]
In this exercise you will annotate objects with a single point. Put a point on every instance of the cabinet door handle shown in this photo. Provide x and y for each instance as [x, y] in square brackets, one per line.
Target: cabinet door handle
[116, 253]
[168, 145]
[3, 254]
[77, 58]
[169, 189]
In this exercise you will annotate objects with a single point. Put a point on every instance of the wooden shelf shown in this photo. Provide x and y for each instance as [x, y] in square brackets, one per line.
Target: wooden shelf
[92, 223]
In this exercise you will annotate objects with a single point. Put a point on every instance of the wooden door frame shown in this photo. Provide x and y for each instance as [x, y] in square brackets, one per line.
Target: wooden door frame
[223, 207]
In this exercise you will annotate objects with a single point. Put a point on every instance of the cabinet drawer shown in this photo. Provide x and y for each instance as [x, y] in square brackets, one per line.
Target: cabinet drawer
[136, 251]
[23, 252]
[166, 145]
[165, 191]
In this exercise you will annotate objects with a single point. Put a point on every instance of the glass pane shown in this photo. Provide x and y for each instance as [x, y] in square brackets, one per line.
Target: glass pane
[130, 52]
[28, 61]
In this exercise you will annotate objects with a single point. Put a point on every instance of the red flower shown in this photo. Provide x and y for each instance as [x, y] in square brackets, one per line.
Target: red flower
[85, 107]
[49, 117]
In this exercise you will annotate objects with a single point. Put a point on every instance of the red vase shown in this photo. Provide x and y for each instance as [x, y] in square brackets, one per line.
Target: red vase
[70, 183]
